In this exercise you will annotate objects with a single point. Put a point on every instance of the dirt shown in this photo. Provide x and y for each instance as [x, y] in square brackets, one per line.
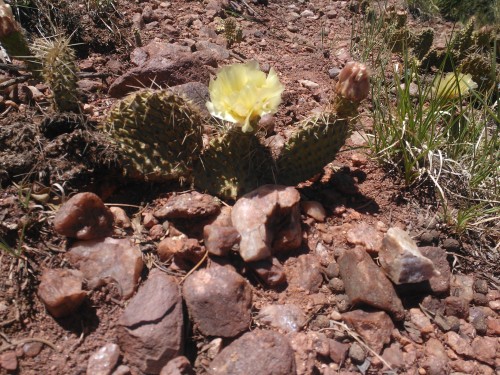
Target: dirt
[48, 157]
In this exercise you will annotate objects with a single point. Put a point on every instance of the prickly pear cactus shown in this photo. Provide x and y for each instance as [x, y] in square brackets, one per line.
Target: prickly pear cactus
[311, 148]
[59, 70]
[482, 70]
[233, 164]
[158, 132]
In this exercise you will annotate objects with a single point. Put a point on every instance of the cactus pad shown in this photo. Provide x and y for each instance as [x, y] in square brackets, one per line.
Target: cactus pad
[158, 132]
[313, 146]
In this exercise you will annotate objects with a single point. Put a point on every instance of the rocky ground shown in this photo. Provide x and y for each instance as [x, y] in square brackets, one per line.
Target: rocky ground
[348, 273]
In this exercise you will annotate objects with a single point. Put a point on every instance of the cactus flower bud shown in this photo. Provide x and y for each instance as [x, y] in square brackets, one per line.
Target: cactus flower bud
[354, 82]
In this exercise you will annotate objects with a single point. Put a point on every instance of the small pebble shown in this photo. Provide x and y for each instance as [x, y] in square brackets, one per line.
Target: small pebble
[357, 353]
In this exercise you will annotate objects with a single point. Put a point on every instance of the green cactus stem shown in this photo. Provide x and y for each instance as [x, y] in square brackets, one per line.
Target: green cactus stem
[159, 134]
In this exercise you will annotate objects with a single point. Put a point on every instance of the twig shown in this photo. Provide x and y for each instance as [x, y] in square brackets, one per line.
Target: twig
[15, 80]
[195, 267]
[92, 75]
[10, 344]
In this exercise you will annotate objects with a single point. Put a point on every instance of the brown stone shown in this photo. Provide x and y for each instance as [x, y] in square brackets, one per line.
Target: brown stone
[338, 351]
[375, 328]
[288, 317]
[121, 219]
[268, 220]
[269, 271]
[219, 301]
[150, 330]
[435, 361]
[457, 306]
[61, 291]
[365, 283]
[220, 240]
[393, 355]
[85, 217]
[178, 366]
[438, 284]
[366, 236]
[485, 349]
[306, 273]
[186, 252]
[257, 352]
[104, 360]
[461, 286]
[458, 344]
[493, 325]
[108, 260]
[8, 360]
[190, 205]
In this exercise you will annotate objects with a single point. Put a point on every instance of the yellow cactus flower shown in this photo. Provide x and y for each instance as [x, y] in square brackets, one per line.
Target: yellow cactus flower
[241, 94]
[454, 85]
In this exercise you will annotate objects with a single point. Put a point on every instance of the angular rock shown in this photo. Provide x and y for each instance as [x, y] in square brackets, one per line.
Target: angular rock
[121, 219]
[402, 261]
[366, 236]
[375, 328]
[357, 353]
[456, 306]
[305, 355]
[8, 360]
[365, 283]
[192, 205]
[306, 273]
[438, 284]
[462, 286]
[485, 349]
[268, 220]
[436, 360]
[61, 291]
[219, 301]
[220, 240]
[314, 209]
[185, 252]
[122, 370]
[393, 355]
[288, 317]
[421, 321]
[269, 271]
[84, 217]
[458, 344]
[338, 351]
[150, 330]
[108, 260]
[178, 366]
[257, 352]
[104, 360]
[164, 71]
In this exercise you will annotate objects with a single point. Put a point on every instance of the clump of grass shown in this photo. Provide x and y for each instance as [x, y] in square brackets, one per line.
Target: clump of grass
[446, 134]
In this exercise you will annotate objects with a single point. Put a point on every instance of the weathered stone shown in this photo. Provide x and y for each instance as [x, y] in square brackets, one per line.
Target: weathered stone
[456, 306]
[461, 286]
[365, 283]
[357, 353]
[421, 321]
[464, 367]
[108, 260]
[393, 355]
[85, 217]
[314, 209]
[439, 284]
[219, 301]
[480, 286]
[332, 270]
[220, 240]
[375, 328]
[338, 351]
[288, 317]
[366, 236]
[306, 273]
[485, 349]
[122, 370]
[165, 71]
[104, 360]
[302, 344]
[192, 205]
[186, 252]
[178, 366]
[336, 285]
[8, 360]
[268, 220]
[402, 261]
[458, 344]
[32, 349]
[269, 271]
[61, 291]
[256, 352]
[493, 325]
[150, 330]
[121, 219]
[435, 361]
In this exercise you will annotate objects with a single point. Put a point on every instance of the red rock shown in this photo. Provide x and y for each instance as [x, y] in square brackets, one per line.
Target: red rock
[465, 367]
[458, 344]
[269, 271]
[457, 306]
[268, 220]
[421, 321]
[493, 325]
[485, 349]
[256, 352]
[435, 360]
[220, 240]
[338, 351]
[104, 360]
[178, 366]
[150, 330]
[393, 355]
[186, 252]
[305, 355]
[108, 260]
[219, 301]
[375, 328]
[306, 273]
[61, 291]
[121, 219]
[366, 236]
[85, 217]
[190, 205]
[462, 286]
[8, 360]
[288, 317]
[365, 283]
